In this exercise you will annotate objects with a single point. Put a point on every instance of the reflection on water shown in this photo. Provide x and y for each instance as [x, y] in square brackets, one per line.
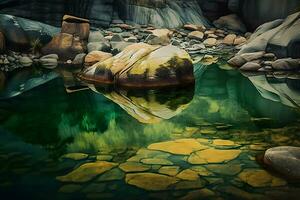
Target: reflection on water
[77, 141]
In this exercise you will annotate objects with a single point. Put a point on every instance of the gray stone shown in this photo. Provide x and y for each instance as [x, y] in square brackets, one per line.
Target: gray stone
[25, 61]
[250, 66]
[98, 46]
[79, 59]
[96, 36]
[117, 38]
[286, 64]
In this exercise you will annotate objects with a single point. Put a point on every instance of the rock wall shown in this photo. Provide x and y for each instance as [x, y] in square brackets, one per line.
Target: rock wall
[167, 13]
[257, 12]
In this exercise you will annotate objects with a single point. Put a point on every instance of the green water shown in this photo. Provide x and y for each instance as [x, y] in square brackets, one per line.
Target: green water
[40, 126]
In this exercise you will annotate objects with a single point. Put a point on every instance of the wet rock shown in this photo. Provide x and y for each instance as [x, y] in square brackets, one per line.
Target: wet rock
[179, 147]
[169, 170]
[260, 178]
[146, 153]
[87, 172]
[231, 22]
[285, 160]
[112, 175]
[210, 42]
[25, 61]
[229, 39]
[188, 175]
[75, 156]
[134, 167]
[198, 194]
[250, 66]
[156, 161]
[213, 156]
[238, 193]
[95, 57]
[196, 35]
[286, 64]
[132, 39]
[49, 61]
[76, 26]
[151, 181]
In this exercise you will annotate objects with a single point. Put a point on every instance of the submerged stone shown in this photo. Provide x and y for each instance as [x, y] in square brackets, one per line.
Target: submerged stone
[87, 172]
[198, 194]
[71, 188]
[169, 170]
[188, 175]
[75, 156]
[134, 167]
[213, 156]
[179, 147]
[112, 175]
[225, 169]
[156, 161]
[260, 178]
[151, 181]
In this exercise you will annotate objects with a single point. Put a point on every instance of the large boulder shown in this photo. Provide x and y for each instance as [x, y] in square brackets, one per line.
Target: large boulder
[279, 37]
[230, 22]
[21, 34]
[71, 41]
[285, 160]
[142, 65]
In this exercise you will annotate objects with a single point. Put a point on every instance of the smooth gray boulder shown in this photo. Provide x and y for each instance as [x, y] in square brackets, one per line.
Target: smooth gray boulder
[285, 160]
[282, 39]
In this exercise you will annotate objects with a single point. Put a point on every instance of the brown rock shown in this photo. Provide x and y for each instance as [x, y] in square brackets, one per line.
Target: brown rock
[96, 56]
[210, 42]
[229, 39]
[193, 27]
[251, 66]
[2, 42]
[71, 41]
[196, 35]
[239, 40]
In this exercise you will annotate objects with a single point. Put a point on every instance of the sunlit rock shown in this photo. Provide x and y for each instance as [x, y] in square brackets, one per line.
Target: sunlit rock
[260, 178]
[87, 172]
[227, 143]
[151, 181]
[134, 167]
[142, 65]
[179, 147]
[213, 156]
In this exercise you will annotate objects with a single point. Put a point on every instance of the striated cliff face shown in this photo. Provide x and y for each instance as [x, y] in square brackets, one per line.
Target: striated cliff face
[165, 13]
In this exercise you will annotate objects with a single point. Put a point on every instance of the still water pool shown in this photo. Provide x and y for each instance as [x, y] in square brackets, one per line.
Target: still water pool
[60, 139]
